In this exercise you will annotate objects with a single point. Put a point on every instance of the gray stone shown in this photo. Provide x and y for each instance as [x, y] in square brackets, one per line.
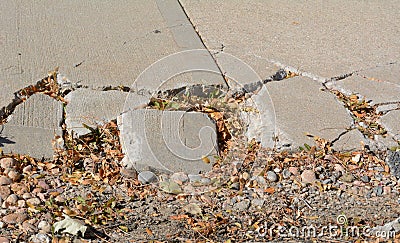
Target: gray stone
[168, 140]
[242, 205]
[378, 190]
[257, 202]
[32, 127]
[179, 177]
[286, 173]
[260, 180]
[146, 177]
[271, 176]
[393, 161]
[365, 179]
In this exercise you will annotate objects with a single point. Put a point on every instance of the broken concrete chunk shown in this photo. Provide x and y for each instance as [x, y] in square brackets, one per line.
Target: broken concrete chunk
[168, 141]
[92, 107]
[32, 127]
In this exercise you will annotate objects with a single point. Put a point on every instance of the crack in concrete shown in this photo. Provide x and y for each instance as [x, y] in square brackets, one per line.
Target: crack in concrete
[47, 86]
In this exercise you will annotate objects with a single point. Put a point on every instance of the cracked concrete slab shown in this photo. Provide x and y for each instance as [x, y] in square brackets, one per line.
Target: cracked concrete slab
[301, 107]
[96, 44]
[391, 123]
[92, 107]
[323, 38]
[379, 84]
[32, 127]
[168, 141]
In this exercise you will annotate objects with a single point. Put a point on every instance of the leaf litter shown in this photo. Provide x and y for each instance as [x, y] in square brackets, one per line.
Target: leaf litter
[83, 188]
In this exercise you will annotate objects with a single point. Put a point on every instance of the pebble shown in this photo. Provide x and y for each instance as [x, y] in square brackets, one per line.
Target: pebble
[257, 202]
[387, 190]
[21, 203]
[277, 170]
[6, 163]
[29, 226]
[59, 199]
[14, 175]
[4, 240]
[33, 201]
[179, 177]
[358, 183]
[27, 169]
[26, 195]
[339, 167]
[347, 178]
[327, 181]
[245, 176]
[308, 176]
[242, 205]
[260, 180]
[43, 185]
[294, 170]
[12, 199]
[44, 226]
[4, 192]
[14, 218]
[235, 186]
[286, 173]
[365, 179]
[4, 180]
[271, 176]
[378, 190]
[39, 238]
[146, 177]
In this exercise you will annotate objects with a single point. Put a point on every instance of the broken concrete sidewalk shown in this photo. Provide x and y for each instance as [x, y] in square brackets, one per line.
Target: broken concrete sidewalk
[349, 46]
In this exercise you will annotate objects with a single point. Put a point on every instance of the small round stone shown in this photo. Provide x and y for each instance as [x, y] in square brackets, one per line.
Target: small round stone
[378, 190]
[14, 218]
[33, 201]
[4, 180]
[21, 203]
[146, 177]
[6, 163]
[12, 199]
[286, 174]
[44, 226]
[14, 175]
[294, 170]
[179, 177]
[308, 176]
[4, 239]
[365, 179]
[27, 169]
[4, 192]
[271, 176]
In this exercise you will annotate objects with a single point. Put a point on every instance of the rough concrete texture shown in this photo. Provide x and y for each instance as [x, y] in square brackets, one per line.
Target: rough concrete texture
[391, 123]
[379, 84]
[324, 38]
[301, 107]
[32, 127]
[168, 140]
[95, 43]
[91, 107]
